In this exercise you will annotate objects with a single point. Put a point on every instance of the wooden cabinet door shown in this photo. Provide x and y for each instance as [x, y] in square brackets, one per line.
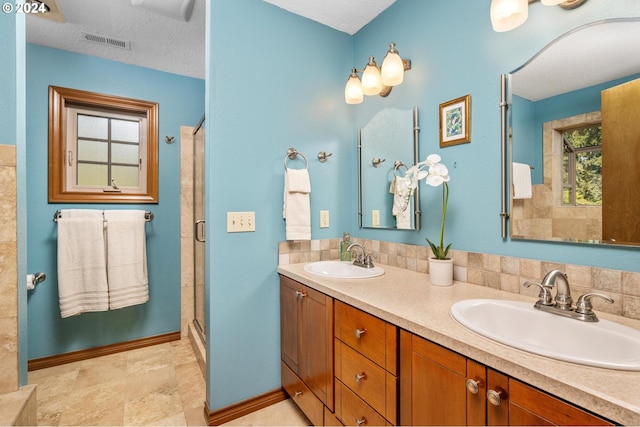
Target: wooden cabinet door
[317, 344]
[432, 384]
[290, 321]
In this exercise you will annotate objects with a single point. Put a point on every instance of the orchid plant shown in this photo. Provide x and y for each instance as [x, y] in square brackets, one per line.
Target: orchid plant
[434, 173]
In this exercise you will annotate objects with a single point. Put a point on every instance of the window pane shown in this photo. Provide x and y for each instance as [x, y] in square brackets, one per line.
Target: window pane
[92, 127]
[125, 130]
[125, 176]
[125, 153]
[585, 137]
[95, 151]
[95, 175]
[589, 178]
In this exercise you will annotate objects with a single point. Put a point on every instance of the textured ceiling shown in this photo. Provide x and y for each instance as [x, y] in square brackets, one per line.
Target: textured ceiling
[168, 44]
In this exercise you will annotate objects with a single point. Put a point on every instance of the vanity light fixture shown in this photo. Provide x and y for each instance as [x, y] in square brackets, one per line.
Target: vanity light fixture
[509, 14]
[376, 81]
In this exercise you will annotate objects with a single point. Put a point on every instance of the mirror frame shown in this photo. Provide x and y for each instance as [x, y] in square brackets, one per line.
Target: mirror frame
[416, 193]
[506, 150]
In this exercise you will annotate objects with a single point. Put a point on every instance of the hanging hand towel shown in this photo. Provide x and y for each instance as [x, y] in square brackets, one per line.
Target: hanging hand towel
[82, 273]
[297, 209]
[126, 258]
[401, 209]
[521, 181]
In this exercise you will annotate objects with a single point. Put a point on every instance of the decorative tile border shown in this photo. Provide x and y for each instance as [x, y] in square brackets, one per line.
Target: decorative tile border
[495, 271]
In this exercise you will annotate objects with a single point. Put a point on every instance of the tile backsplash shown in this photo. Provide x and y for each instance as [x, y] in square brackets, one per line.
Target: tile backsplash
[495, 271]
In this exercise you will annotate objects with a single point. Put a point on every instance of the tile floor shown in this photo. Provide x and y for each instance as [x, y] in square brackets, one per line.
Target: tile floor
[158, 385]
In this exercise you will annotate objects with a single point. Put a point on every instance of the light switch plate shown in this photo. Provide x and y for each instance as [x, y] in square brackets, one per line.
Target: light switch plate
[239, 222]
[324, 219]
[375, 218]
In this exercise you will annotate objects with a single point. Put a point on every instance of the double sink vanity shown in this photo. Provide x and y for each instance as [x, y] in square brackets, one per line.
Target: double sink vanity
[385, 347]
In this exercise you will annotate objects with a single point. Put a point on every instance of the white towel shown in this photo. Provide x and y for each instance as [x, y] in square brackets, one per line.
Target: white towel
[521, 178]
[82, 274]
[400, 188]
[296, 208]
[126, 258]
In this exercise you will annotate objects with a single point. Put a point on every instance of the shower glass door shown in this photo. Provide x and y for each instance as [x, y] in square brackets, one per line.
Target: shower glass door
[199, 226]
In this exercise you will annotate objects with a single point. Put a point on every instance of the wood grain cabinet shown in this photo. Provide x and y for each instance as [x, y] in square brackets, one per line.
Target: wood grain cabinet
[441, 387]
[306, 328]
[366, 368]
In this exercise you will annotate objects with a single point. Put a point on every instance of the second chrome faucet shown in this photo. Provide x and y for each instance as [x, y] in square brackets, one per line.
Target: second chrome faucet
[562, 303]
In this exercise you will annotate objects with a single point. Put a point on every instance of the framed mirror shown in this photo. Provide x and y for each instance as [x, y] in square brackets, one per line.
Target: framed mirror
[574, 127]
[387, 147]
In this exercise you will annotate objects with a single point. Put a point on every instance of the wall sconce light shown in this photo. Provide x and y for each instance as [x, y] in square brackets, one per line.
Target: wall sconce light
[509, 14]
[376, 81]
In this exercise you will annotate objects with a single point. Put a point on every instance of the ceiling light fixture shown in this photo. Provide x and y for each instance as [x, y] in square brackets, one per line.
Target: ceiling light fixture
[509, 14]
[376, 81]
[175, 9]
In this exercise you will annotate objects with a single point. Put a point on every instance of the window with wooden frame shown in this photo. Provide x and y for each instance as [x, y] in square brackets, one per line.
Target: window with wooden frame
[102, 148]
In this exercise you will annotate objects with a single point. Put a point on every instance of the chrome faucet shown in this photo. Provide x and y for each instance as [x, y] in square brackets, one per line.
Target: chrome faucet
[562, 303]
[361, 259]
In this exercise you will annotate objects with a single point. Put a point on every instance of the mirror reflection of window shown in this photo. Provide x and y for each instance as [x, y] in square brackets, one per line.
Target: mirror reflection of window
[582, 166]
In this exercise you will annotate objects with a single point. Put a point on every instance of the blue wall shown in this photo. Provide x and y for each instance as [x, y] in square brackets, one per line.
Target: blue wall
[276, 80]
[181, 101]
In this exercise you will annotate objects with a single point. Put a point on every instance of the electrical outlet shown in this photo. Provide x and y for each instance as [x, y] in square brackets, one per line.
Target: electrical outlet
[324, 219]
[238, 222]
[375, 218]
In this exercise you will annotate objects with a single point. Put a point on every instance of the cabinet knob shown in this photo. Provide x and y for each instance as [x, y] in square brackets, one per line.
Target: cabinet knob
[361, 421]
[360, 377]
[360, 332]
[495, 397]
[300, 294]
[298, 393]
[473, 386]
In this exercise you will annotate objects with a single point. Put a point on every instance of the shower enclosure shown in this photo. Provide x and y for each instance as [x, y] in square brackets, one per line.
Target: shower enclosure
[199, 226]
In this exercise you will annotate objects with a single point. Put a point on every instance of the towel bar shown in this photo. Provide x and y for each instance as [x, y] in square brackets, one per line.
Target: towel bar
[148, 216]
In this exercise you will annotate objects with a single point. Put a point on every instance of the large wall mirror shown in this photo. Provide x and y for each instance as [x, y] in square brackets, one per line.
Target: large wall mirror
[574, 122]
[387, 147]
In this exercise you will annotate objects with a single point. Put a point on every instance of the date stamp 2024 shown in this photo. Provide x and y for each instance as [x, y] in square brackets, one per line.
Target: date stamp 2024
[33, 7]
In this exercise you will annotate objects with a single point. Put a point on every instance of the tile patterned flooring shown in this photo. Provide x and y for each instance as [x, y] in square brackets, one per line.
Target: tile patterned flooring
[157, 385]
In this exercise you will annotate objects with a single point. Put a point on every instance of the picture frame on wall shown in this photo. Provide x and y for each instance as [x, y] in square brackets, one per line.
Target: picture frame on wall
[455, 121]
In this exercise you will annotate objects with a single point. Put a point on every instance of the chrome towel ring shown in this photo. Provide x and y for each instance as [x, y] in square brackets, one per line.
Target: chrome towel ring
[292, 154]
[397, 165]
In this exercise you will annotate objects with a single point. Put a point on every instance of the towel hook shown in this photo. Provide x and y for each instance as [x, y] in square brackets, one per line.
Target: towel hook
[292, 154]
[323, 156]
[376, 162]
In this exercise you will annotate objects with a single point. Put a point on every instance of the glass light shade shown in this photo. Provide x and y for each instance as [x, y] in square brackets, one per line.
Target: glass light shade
[508, 14]
[551, 2]
[371, 80]
[353, 90]
[392, 72]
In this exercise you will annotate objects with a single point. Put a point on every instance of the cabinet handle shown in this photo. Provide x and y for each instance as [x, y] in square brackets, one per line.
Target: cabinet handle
[360, 332]
[495, 397]
[298, 393]
[360, 377]
[473, 386]
[300, 294]
[361, 421]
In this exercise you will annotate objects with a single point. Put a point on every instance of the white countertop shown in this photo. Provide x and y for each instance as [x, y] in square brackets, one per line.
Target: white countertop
[407, 299]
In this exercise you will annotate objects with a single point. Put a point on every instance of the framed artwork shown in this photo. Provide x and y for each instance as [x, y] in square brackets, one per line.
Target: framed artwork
[455, 121]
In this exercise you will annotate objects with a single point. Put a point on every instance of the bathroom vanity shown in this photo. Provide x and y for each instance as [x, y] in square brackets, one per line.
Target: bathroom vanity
[386, 351]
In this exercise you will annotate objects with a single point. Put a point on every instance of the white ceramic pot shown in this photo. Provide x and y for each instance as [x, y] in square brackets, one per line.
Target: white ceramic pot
[441, 271]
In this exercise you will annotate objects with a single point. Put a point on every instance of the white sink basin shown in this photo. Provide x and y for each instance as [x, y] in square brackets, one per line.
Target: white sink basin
[342, 270]
[603, 344]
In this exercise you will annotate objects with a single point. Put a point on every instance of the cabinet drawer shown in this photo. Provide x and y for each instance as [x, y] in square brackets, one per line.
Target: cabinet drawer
[302, 396]
[368, 380]
[353, 411]
[373, 337]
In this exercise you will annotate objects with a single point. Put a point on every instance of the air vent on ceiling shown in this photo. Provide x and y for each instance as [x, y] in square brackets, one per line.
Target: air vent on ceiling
[107, 41]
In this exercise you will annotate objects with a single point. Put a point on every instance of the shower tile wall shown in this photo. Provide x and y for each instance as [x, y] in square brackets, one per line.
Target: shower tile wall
[186, 227]
[8, 271]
